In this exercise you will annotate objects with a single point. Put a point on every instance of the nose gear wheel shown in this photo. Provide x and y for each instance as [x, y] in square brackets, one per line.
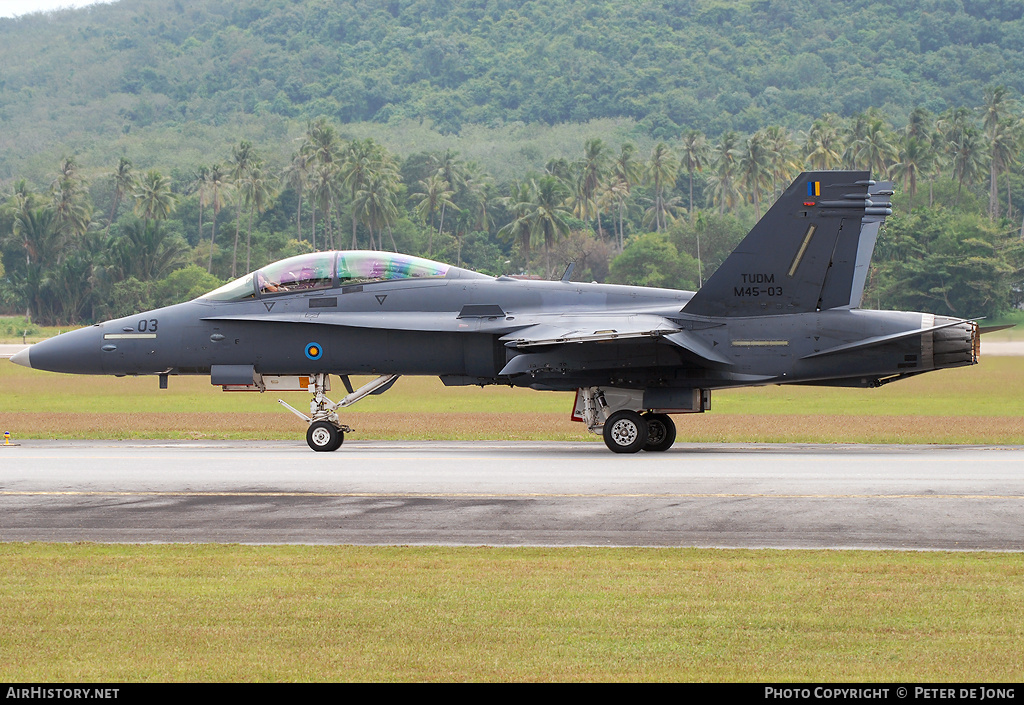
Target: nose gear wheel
[323, 436]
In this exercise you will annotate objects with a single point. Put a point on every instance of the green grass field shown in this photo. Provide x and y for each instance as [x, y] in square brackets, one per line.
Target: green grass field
[306, 613]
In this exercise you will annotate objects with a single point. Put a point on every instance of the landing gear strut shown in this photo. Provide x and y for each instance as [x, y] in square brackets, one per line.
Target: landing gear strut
[326, 433]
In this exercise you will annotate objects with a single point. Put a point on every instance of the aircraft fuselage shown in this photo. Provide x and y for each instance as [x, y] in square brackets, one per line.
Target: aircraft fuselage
[443, 328]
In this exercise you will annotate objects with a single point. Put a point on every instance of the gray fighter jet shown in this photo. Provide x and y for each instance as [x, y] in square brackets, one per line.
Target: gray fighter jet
[782, 309]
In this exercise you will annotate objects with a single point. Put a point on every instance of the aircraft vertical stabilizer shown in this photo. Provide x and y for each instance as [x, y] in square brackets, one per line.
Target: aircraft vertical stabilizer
[810, 252]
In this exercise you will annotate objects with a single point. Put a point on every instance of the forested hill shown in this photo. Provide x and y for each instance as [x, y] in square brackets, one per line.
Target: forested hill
[103, 71]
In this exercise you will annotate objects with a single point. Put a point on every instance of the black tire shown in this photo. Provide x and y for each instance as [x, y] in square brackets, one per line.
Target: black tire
[661, 432]
[324, 437]
[625, 432]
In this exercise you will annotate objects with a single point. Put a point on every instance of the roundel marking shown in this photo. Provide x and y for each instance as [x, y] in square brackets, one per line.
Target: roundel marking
[314, 351]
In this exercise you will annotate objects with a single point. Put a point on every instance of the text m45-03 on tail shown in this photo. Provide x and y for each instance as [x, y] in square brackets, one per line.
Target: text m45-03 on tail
[746, 291]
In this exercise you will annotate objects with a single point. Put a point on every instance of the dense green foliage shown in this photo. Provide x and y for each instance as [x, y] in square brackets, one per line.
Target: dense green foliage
[639, 139]
[668, 65]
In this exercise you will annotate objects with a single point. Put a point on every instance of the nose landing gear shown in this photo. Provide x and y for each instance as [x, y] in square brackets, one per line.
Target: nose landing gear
[326, 433]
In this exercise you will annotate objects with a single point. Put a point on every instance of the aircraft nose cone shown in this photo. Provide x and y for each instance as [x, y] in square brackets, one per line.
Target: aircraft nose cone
[76, 352]
[21, 358]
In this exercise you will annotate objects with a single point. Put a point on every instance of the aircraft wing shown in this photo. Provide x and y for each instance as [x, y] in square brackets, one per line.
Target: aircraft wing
[605, 328]
[598, 328]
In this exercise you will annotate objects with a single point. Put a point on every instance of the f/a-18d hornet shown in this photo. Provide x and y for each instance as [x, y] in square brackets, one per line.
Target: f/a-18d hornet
[782, 309]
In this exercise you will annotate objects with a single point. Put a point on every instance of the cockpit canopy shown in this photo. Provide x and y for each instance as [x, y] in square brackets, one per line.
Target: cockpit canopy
[326, 270]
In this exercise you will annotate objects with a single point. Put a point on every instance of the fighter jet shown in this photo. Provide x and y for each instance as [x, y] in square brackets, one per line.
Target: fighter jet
[782, 309]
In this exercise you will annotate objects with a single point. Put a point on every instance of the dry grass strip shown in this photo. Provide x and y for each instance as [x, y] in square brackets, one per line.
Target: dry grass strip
[704, 428]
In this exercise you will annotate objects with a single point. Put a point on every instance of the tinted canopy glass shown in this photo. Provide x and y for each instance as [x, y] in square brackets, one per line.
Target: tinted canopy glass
[300, 273]
[315, 270]
[362, 267]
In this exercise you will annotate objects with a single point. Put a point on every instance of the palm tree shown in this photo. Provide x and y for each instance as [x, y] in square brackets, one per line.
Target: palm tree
[220, 189]
[361, 159]
[68, 198]
[997, 104]
[154, 199]
[822, 145]
[33, 230]
[661, 172]
[257, 194]
[853, 133]
[145, 250]
[696, 153]
[199, 186]
[919, 124]
[559, 167]
[915, 159]
[874, 149]
[296, 177]
[548, 216]
[783, 156]
[968, 152]
[376, 203]
[616, 193]
[435, 194]
[242, 158]
[451, 169]
[666, 210]
[1001, 140]
[1005, 147]
[726, 163]
[627, 172]
[321, 147]
[477, 192]
[519, 229]
[323, 191]
[321, 142]
[591, 169]
[949, 128]
[755, 167]
[124, 181]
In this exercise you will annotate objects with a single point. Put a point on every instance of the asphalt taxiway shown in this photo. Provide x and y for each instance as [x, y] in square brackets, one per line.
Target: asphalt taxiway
[515, 494]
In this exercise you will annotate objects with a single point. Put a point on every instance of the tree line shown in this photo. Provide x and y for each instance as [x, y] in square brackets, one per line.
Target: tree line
[118, 68]
[83, 249]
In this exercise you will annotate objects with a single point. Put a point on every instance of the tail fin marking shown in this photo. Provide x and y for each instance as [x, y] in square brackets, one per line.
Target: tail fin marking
[810, 252]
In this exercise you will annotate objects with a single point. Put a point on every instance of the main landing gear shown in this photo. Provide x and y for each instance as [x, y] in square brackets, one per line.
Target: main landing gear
[326, 433]
[628, 431]
[625, 430]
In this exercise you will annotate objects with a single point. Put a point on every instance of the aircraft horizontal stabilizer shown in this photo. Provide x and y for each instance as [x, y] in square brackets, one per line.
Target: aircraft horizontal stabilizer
[688, 341]
[883, 339]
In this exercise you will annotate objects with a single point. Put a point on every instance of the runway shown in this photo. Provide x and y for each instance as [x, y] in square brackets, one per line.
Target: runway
[515, 494]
